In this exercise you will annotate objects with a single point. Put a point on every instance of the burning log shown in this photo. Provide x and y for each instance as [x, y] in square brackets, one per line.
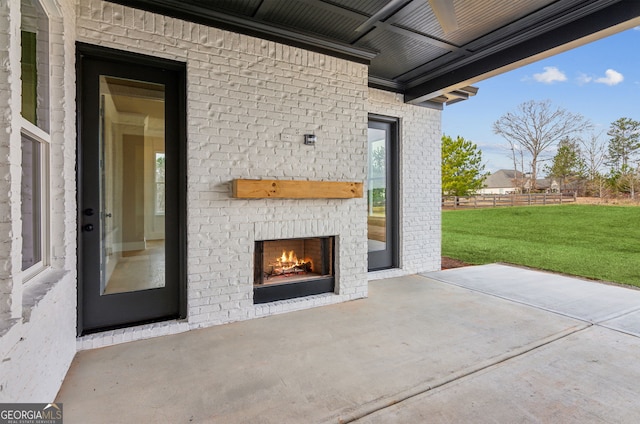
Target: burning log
[287, 265]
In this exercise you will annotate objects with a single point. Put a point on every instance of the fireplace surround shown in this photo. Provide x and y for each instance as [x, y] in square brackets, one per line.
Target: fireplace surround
[291, 268]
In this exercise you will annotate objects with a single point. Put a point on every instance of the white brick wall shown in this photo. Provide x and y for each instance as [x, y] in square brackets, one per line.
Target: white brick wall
[37, 352]
[249, 103]
[420, 168]
[10, 159]
[37, 318]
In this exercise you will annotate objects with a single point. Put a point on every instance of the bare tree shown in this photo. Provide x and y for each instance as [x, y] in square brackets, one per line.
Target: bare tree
[535, 126]
[594, 154]
[518, 174]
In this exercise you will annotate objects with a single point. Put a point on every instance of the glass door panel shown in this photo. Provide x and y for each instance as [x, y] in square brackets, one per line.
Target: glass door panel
[132, 254]
[376, 191]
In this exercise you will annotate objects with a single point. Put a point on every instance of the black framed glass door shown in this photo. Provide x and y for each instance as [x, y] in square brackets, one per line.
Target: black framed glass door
[382, 193]
[131, 201]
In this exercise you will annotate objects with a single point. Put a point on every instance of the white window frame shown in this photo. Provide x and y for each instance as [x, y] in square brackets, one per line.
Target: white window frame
[41, 134]
[36, 134]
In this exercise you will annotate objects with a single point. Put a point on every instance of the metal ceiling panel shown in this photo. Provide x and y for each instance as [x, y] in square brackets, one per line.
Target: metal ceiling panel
[420, 18]
[475, 18]
[366, 7]
[241, 7]
[553, 15]
[397, 52]
[315, 17]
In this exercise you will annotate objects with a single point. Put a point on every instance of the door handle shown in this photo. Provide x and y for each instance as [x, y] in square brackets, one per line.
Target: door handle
[87, 227]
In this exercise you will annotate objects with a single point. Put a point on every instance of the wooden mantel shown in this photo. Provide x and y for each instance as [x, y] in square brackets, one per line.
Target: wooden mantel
[295, 189]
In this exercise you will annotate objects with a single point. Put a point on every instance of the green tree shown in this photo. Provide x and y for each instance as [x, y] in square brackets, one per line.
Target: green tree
[623, 152]
[378, 172]
[567, 164]
[624, 143]
[462, 168]
[378, 161]
[625, 180]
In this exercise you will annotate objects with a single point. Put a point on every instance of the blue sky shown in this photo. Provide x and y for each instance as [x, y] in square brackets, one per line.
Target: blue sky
[600, 81]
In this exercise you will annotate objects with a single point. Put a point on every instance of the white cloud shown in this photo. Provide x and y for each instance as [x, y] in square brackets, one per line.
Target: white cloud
[584, 79]
[550, 75]
[611, 78]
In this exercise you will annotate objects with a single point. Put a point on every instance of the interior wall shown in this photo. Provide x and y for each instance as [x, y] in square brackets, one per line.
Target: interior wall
[133, 208]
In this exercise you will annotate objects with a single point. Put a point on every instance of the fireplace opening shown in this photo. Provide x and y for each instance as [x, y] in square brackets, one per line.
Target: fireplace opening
[290, 268]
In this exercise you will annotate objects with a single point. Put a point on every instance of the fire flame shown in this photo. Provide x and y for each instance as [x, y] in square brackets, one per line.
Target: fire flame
[287, 262]
[292, 258]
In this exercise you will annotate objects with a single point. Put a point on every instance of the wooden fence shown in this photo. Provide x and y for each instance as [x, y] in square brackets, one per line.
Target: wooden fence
[496, 200]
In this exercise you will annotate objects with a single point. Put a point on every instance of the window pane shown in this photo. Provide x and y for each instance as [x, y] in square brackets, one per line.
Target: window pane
[160, 189]
[29, 74]
[31, 203]
[34, 30]
[160, 198]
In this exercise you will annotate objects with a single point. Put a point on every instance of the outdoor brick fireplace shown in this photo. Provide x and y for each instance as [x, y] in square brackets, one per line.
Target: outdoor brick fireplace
[290, 268]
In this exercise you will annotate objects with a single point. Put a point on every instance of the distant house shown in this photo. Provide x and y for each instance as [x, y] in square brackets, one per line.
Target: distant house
[504, 181]
[508, 181]
[548, 185]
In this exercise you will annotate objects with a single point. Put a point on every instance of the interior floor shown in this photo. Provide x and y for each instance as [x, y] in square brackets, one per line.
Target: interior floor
[139, 269]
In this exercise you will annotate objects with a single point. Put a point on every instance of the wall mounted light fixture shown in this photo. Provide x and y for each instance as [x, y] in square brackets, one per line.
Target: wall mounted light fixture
[310, 139]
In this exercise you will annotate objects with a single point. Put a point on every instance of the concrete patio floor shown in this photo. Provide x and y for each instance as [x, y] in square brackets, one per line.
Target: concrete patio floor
[491, 343]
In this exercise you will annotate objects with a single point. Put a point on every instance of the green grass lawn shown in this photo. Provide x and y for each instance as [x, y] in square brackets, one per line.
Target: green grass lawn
[600, 242]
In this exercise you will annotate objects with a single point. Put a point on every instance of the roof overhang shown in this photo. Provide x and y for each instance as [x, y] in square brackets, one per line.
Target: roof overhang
[429, 50]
